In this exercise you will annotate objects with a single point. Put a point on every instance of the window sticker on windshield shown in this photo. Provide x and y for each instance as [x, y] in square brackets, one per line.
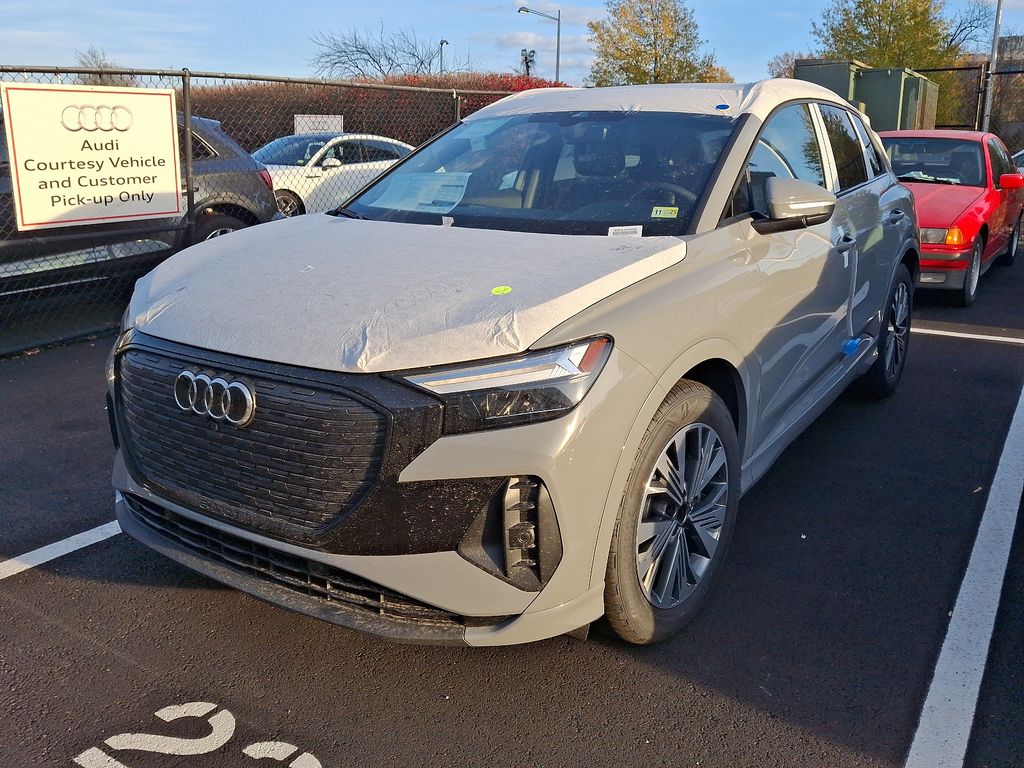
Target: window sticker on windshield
[633, 231]
[424, 192]
[665, 212]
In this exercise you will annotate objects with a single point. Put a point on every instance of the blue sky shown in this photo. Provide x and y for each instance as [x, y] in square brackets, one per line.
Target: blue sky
[274, 38]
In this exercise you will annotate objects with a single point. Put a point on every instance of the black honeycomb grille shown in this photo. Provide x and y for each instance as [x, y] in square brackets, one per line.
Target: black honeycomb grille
[308, 456]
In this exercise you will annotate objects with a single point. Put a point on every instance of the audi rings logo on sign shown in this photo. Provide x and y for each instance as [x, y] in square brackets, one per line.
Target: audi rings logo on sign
[215, 397]
[103, 117]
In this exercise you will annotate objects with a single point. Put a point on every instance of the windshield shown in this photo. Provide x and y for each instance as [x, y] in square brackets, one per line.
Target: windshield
[564, 173]
[937, 161]
[290, 150]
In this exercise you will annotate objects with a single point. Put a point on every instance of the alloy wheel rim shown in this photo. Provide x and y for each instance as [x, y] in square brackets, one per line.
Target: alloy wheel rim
[286, 205]
[682, 515]
[975, 270]
[220, 232]
[899, 330]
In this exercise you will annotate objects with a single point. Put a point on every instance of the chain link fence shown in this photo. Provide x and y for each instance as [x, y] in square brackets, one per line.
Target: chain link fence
[962, 100]
[251, 149]
[1007, 118]
[961, 96]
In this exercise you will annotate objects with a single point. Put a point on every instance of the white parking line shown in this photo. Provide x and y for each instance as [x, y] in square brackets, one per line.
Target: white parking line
[948, 714]
[961, 335]
[52, 551]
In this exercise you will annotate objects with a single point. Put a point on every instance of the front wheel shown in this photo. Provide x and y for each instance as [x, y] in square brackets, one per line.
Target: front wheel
[884, 375]
[966, 296]
[676, 518]
[288, 203]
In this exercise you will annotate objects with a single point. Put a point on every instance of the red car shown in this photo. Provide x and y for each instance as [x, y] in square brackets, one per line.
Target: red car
[968, 195]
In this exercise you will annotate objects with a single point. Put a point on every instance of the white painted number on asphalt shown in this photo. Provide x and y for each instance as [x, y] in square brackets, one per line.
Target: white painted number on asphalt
[222, 728]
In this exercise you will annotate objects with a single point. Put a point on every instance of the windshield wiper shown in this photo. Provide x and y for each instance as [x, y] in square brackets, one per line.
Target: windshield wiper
[925, 179]
[347, 213]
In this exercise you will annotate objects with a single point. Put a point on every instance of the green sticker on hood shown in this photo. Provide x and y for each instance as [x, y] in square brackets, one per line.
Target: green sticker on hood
[501, 290]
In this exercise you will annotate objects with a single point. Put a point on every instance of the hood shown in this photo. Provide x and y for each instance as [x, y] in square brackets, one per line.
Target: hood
[940, 205]
[357, 296]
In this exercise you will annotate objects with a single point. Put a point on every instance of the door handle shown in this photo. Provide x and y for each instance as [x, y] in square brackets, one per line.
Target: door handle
[845, 244]
[896, 216]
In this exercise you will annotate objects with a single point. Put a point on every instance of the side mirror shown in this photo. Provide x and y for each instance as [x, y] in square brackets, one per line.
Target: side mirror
[795, 204]
[1011, 181]
[331, 162]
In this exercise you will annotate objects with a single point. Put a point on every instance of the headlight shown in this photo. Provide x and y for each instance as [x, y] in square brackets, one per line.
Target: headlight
[933, 236]
[534, 387]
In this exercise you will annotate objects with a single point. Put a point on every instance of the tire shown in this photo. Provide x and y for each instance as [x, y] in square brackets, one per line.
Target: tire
[216, 225]
[966, 295]
[884, 376]
[1010, 254]
[660, 606]
[288, 203]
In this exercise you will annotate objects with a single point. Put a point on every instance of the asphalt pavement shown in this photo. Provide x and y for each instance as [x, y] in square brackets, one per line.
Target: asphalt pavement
[818, 648]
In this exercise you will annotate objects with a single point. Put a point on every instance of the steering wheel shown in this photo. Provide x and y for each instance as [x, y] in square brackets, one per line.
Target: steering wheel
[666, 185]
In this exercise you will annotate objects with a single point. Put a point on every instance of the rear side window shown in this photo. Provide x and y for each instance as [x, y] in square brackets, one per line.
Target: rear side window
[380, 150]
[787, 149]
[201, 150]
[876, 165]
[846, 147]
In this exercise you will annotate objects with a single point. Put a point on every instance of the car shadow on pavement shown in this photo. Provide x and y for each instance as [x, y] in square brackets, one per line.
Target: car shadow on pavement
[997, 307]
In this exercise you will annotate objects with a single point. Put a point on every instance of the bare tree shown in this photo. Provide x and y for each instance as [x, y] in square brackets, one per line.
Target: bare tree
[971, 25]
[384, 53]
[784, 64]
[96, 59]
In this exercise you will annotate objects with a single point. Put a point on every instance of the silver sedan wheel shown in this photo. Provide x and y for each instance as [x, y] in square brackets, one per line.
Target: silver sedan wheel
[899, 330]
[974, 271]
[683, 511]
[220, 232]
[287, 204]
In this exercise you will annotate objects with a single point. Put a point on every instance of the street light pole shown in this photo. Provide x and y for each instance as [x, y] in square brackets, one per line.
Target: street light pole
[441, 65]
[992, 61]
[557, 18]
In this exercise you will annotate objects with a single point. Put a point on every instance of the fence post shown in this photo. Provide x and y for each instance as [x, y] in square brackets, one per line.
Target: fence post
[190, 192]
[985, 81]
[458, 105]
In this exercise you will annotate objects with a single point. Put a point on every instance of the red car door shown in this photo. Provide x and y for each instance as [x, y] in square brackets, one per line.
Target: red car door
[1003, 215]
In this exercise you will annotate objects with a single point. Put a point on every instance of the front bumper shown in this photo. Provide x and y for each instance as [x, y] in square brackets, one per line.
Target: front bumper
[459, 596]
[943, 267]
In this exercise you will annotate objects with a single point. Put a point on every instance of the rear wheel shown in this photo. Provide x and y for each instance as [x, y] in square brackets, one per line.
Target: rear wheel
[969, 292]
[676, 518]
[884, 375]
[1010, 254]
[216, 225]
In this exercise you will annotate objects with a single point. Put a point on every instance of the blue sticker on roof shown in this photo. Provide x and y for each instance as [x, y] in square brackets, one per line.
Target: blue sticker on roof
[721, 106]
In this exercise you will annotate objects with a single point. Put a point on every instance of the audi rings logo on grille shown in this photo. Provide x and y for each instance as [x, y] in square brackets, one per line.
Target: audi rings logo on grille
[103, 117]
[215, 397]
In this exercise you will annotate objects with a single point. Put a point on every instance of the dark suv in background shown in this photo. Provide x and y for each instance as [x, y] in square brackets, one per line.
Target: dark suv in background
[232, 191]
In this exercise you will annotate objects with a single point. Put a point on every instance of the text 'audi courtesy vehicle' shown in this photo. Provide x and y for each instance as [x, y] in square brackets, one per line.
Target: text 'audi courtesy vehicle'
[523, 380]
[969, 203]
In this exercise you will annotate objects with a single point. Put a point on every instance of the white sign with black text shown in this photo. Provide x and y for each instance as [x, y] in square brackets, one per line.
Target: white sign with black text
[84, 154]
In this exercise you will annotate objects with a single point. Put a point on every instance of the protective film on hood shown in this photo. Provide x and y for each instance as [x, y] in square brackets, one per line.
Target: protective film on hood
[365, 296]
